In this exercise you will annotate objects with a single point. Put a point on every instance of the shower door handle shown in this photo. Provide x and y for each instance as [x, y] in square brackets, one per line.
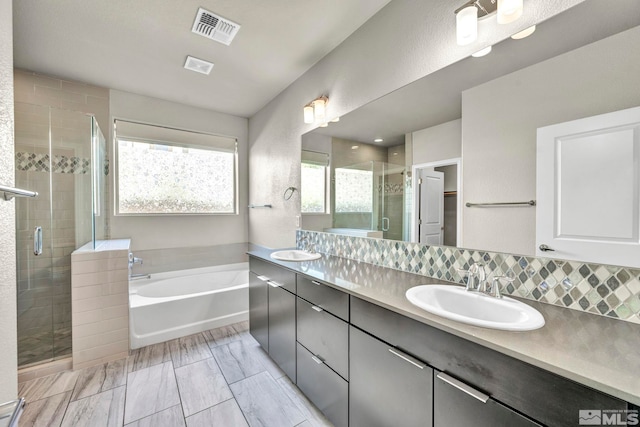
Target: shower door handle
[385, 228]
[37, 241]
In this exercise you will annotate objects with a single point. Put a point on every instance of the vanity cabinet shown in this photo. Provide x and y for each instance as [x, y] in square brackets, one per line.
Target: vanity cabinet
[387, 386]
[273, 303]
[458, 404]
[540, 395]
[363, 365]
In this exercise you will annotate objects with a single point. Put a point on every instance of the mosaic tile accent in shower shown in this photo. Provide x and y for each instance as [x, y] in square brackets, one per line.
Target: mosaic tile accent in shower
[606, 290]
[32, 162]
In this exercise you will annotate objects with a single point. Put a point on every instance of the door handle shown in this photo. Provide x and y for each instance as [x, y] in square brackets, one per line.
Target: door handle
[316, 308]
[316, 283]
[463, 387]
[273, 284]
[263, 278]
[385, 228]
[37, 241]
[415, 362]
[545, 248]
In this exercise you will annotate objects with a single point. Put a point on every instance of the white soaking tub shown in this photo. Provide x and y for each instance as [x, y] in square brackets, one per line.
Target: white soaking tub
[179, 303]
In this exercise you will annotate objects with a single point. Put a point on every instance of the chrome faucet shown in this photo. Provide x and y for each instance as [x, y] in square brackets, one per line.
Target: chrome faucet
[307, 245]
[134, 260]
[476, 271]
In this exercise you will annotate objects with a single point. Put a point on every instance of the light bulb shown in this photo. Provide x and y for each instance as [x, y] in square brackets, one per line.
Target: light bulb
[308, 114]
[482, 52]
[467, 25]
[509, 10]
[319, 109]
[524, 33]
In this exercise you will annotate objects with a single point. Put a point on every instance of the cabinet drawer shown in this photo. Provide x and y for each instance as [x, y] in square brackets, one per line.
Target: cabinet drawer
[274, 273]
[456, 404]
[332, 300]
[542, 395]
[324, 335]
[326, 389]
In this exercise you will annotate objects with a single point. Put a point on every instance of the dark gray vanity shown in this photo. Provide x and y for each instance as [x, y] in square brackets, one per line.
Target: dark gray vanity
[342, 331]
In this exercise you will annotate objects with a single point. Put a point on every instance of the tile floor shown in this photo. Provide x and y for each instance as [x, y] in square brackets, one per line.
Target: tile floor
[220, 377]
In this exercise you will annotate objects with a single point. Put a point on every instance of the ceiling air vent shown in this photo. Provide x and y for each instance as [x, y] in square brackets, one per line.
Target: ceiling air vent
[214, 27]
[198, 65]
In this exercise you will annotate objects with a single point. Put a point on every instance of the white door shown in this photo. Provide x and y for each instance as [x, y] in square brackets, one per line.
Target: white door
[431, 212]
[588, 184]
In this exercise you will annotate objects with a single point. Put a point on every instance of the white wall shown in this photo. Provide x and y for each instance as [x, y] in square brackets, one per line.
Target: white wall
[154, 232]
[441, 142]
[499, 122]
[8, 313]
[406, 40]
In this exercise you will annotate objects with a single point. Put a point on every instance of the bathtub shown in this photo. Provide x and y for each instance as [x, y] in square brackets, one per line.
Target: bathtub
[179, 303]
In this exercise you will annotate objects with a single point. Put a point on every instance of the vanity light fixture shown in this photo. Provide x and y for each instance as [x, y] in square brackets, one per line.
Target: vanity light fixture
[467, 16]
[524, 33]
[482, 52]
[509, 10]
[315, 111]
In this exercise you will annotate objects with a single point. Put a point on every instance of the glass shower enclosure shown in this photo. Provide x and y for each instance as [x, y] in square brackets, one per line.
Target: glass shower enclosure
[61, 155]
[370, 196]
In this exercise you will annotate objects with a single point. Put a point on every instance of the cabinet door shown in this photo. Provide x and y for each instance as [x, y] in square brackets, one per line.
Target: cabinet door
[282, 329]
[259, 310]
[387, 387]
[457, 404]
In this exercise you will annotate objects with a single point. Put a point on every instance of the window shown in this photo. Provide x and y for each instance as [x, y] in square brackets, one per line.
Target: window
[314, 175]
[354, 190]
[169, 171]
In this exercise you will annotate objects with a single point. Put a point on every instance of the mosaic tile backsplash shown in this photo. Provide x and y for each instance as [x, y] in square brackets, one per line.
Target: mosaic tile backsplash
[595, 288]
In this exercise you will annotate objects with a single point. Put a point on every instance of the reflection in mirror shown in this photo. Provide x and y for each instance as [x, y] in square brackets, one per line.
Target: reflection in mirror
[487, 111]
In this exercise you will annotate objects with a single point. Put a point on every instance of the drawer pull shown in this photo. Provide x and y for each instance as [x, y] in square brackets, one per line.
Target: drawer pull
[463, 387]
[415, 362]
[316, 283]
[273, 284]
[316, 308]
[263, 278]
[317, 360]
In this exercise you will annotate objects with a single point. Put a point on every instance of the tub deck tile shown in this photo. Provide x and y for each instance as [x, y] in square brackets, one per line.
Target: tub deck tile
[188, 350]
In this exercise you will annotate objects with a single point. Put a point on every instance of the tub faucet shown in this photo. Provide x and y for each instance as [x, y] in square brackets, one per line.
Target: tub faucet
[134, 260]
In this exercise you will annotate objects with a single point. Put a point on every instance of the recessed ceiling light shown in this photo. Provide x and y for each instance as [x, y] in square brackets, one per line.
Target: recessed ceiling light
[378, 140]
[198, 65]
[355, 147]
[524, 33]
[482, 52]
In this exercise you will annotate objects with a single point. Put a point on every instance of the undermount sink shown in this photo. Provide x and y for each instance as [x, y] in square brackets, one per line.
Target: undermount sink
[476, 308]
[294, 255]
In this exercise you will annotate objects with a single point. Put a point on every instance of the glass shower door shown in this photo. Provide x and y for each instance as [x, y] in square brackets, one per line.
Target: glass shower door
[33, 221]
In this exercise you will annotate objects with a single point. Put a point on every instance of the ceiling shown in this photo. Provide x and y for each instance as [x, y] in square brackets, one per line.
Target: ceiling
[140, 46]
[437, 98]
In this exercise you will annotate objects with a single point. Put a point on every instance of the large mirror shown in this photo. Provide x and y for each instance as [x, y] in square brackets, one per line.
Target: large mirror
[467, 134]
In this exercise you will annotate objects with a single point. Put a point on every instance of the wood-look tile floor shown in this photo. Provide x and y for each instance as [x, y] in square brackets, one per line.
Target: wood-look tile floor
[220, 377]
